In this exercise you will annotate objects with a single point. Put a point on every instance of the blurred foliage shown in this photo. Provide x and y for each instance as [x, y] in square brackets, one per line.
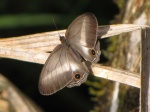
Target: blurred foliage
[35, 16]
[120, 3]
[101, 91]
[27, 13]
[129, 99]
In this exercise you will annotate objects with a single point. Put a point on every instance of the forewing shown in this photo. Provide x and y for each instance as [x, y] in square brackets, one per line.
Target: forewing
[56, 72]
[60, 70]
[82, 35]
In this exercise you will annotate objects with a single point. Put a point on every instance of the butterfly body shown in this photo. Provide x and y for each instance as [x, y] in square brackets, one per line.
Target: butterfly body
[64, 41]
[66, 64]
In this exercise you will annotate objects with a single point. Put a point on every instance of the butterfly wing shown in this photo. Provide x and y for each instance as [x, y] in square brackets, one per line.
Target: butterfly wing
[82, 36]
[60, 70]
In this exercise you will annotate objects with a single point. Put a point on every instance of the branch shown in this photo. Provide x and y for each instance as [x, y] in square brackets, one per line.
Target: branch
[118, 75]
[23, 54]
[48, 40]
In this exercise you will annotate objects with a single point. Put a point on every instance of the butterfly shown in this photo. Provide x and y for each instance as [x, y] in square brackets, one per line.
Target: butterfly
[66, 65]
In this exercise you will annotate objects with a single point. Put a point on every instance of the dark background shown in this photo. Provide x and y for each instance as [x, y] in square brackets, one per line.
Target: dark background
[21, 17]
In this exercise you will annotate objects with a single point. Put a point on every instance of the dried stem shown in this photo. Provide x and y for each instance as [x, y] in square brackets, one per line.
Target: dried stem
[11, 99]
[32, 48]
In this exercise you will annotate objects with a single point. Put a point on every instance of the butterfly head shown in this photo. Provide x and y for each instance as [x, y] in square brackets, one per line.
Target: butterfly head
[62, 38]
[64, 41]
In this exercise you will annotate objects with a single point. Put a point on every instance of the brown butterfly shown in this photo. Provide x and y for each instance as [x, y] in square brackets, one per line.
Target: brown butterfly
[66, 65]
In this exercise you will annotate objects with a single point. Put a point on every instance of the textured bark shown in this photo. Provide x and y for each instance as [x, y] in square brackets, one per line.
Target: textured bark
[128, 51]
[145, 72]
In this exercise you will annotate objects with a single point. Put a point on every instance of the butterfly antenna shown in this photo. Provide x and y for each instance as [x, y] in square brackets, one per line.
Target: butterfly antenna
[56, 26]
